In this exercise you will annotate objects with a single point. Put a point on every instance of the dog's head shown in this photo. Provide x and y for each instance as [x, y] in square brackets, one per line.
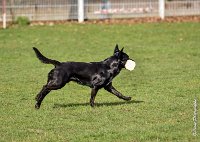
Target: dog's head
[123, 58]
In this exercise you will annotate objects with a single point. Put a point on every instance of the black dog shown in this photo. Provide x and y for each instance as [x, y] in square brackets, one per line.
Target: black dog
[96, 75]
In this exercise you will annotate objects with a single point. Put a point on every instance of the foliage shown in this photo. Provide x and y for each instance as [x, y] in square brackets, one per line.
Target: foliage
[22, 21]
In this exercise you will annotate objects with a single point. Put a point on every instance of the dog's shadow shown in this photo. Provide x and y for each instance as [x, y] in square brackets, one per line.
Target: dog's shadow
[96, 104]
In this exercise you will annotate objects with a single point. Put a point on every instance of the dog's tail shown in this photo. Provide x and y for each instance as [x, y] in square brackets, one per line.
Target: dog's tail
[44, 59]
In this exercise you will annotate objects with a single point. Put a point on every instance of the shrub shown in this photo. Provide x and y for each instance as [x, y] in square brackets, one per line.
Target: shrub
[22, 21]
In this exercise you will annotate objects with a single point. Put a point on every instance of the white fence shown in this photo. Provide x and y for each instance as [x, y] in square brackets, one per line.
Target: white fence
[48, 10]
[119, 9]
[39, 10]
[182, 7]
[94, 9]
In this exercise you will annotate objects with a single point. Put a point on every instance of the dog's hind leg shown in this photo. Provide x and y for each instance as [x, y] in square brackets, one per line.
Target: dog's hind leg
[41, 92]
[93, 95]
[112, 90]
[55, 81]
[51, 85]
[39, 98]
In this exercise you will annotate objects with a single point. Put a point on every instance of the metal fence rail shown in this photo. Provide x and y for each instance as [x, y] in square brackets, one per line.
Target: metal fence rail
[48, 10]
[119, 9]
[38, 10]
[182, 8]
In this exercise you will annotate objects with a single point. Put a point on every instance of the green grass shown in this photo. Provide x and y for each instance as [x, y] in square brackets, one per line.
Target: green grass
[163, 85]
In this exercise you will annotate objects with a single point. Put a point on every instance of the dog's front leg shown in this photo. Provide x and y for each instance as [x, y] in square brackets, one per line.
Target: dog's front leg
[112, 90]
[93, 95]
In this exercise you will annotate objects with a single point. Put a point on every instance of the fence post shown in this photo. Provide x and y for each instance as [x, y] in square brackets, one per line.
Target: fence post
[4, 13]
[162, 9]
[80, 11]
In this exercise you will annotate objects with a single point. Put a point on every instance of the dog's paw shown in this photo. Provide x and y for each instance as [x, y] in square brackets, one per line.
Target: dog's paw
[128, 98]
[92, 104]
[37, 106]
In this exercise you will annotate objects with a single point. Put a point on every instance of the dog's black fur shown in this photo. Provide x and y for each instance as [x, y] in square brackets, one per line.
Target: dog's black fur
[96, 75]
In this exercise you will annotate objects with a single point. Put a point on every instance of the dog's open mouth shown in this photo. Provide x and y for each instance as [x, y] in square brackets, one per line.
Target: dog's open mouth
[130, 65]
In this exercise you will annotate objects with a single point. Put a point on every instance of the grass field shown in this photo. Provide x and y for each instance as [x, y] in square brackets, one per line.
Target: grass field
[163, 86]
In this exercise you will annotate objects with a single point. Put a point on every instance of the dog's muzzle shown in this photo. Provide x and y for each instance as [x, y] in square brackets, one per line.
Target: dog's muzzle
[130, 65]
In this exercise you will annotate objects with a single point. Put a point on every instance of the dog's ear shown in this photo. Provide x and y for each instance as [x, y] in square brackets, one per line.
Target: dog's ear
[122, 49]
[116, 49]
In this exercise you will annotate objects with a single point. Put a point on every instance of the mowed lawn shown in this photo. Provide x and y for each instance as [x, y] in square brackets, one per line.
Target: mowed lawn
[163, 85]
